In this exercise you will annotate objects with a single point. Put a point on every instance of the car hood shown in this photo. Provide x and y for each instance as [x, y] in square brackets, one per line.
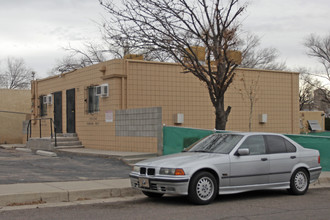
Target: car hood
[181, 160]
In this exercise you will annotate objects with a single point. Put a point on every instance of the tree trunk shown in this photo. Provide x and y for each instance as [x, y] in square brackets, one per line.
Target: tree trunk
[251, 115]
[221, 116]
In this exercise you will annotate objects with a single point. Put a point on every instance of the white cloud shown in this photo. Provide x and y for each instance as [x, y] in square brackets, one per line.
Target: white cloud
[285, 24]
[36, 30]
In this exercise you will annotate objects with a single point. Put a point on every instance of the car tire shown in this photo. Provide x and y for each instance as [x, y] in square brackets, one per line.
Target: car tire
[152, 194]
[299, 182]
[203, 188]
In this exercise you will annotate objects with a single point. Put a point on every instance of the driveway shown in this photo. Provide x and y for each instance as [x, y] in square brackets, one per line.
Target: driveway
[21, 167]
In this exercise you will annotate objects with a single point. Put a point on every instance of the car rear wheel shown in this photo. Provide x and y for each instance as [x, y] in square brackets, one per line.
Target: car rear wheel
[152, 194]
[203, 188]
[299, 182]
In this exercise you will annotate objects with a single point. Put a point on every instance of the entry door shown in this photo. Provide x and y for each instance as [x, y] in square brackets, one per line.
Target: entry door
[70, 111]
[58, 111]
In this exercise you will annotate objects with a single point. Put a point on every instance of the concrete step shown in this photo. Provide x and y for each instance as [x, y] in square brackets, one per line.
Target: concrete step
[65, 139]
[67, 143]
[66, 135]
[68, 147]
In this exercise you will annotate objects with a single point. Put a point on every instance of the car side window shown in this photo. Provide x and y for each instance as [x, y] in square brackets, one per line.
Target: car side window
[289, 146]
[255, 144]
[276, 144]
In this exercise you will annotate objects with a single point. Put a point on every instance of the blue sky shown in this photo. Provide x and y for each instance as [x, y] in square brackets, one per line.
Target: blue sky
[37, 30]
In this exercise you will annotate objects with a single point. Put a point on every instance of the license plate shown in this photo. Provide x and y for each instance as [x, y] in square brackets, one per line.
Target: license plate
[144, 183]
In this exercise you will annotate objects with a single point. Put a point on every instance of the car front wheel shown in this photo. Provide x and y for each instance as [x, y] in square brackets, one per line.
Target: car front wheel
[299, 182]
[203, 188]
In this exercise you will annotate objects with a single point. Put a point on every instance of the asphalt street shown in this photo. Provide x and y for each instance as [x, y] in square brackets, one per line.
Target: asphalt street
[270, 205]
[22, 167]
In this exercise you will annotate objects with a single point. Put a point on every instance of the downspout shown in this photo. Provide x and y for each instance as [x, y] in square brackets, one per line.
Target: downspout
[292, 100]
[124, 86]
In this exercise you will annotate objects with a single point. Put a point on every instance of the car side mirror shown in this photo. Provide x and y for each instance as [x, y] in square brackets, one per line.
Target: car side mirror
[243, 152]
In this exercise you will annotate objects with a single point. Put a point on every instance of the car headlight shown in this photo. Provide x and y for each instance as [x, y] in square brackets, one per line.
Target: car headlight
[171, 171]
[136, 169]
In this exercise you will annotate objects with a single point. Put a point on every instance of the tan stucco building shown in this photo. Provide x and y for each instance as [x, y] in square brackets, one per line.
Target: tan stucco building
[121, 104]
[15, 107]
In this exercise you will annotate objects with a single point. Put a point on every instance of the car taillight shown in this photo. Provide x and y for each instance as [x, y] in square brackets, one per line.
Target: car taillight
[319, 159]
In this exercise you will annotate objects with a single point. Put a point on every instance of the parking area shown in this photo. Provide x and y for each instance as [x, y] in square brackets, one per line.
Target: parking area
[22, 167]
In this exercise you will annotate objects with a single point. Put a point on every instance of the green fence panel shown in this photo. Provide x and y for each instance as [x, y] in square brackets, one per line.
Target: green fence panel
[175, 139]
[322, 144]
[323, 134]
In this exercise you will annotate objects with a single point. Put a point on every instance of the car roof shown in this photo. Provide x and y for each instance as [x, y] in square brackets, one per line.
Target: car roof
[251, 133]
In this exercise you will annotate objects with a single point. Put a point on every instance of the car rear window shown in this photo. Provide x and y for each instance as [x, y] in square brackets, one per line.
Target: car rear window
[277, 144]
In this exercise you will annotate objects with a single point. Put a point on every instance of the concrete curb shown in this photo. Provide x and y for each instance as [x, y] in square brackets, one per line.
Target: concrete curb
[27, 150]
[11, 146]
[7, 147]
[38, 193]
[46, 153]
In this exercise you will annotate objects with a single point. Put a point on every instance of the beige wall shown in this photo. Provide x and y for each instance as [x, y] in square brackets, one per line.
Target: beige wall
[13, 103]
[160, 84]
[140, 84]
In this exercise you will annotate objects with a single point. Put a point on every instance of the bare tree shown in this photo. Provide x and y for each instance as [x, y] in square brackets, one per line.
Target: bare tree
[91, 53]
[249, 92]
[307, 85]
[319, 47]
[176, 27]
[15, 75]
[254, 57]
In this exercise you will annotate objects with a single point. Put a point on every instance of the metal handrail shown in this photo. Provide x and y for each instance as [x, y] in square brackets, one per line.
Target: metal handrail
[29, 130]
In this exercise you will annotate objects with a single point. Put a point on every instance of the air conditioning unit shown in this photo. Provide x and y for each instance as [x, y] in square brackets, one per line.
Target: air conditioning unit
[44, 99]
[179, 118]
[98, 90]
[49, 99]
[263, 118]
[105, 90]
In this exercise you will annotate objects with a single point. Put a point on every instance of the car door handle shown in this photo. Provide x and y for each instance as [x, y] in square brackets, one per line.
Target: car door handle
[293, 157]
[264, 159]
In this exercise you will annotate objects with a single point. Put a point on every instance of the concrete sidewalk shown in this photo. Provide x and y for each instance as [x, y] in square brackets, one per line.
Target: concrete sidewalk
[51, 192]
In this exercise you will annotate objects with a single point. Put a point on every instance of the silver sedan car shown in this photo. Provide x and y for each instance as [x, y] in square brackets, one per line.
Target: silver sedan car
[229, 163]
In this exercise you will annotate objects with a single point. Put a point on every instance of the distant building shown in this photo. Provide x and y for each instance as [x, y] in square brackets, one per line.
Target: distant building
[121, 105]
[15, 107]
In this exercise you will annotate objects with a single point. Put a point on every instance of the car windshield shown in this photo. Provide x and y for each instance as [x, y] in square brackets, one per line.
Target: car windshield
[216, 143]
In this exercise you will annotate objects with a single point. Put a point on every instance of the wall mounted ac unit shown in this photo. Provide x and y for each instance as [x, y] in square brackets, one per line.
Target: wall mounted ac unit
[105, 90]
[263, 118]
[49, 99]
[98, 90]
[179, 118]
[44, 99]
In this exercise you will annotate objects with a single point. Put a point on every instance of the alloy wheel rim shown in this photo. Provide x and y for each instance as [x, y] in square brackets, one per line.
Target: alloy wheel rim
[205, 188]
[300, 181]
